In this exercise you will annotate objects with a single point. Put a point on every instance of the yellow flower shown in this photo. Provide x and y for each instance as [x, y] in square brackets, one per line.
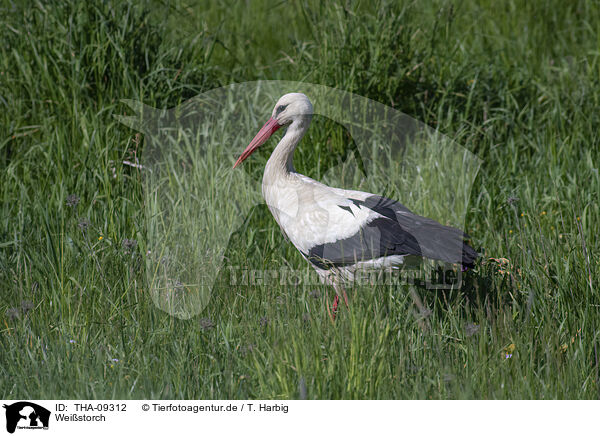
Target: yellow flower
[510, 231]
[100, 238]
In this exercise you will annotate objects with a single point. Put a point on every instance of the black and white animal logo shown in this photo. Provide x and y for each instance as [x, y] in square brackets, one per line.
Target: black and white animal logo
[27, 415]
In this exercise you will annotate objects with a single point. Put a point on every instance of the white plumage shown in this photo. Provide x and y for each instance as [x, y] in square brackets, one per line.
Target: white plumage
[339, 230]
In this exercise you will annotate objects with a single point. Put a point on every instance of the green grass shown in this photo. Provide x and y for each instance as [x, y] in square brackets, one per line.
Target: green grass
[517, 85]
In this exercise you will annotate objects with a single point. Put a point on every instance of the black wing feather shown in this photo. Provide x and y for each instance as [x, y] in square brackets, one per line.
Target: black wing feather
[397, 232]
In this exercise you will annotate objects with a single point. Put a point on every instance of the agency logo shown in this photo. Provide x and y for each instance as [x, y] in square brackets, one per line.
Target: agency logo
[26, 415]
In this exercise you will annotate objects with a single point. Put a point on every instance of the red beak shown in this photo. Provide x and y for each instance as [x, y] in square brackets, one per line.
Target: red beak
[261, 137]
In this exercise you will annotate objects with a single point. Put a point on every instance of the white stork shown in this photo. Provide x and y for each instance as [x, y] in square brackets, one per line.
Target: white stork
[337, 230]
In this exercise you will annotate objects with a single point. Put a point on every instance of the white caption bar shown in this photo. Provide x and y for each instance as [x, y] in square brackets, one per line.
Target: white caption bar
[296, 417]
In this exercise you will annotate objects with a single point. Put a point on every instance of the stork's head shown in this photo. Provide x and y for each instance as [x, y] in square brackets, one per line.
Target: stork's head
[289, 108]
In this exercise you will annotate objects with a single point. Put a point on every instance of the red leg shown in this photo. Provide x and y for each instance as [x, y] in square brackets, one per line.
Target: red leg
[336, 301]
[339, 290]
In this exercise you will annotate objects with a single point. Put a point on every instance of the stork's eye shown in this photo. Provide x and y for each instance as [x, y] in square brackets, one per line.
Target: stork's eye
[280, 109]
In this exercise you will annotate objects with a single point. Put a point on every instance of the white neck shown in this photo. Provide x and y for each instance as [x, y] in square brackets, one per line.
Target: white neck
[281, 162]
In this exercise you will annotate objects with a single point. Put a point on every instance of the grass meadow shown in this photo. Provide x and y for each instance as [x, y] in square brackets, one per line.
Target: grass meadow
[516, 83]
